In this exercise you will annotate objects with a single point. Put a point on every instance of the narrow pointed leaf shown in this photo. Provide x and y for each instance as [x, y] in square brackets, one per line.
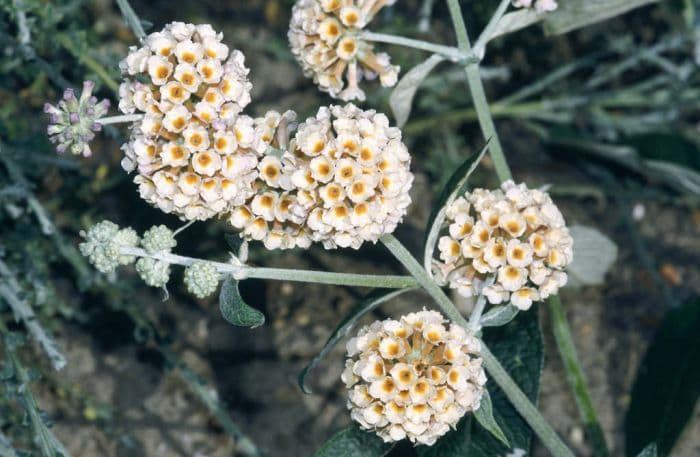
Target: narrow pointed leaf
[234, 309]
[500, 315]
[574, 14]
[649, 451]
[401, 97]
[353, 442]
[370, 302]
[668, 383]
[455, 186]
[484, 417]
[594, 254]
[517, 20]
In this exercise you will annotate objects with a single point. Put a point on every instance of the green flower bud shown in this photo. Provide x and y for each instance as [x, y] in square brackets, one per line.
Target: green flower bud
[201, 279]
[157, 239]
[102, 243]
[155, 273]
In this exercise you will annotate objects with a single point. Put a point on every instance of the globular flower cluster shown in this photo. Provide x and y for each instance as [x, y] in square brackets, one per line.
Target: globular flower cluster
[201, 279]
[513, 236]
[325, 37]
[343, 180]
[414, 377]
[72, 122]
[541, 6]
[102, 245]
[194, 153]
[157, 239]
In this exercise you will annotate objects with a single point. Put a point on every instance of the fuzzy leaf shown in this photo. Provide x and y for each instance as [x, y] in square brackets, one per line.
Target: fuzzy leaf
[499, 315]
[370, 302]
[517, 20]
[402, 96]
[594, 254]
[353, 442]
[668, 383]
[484, 417]
[454, 187]
[518, 346]
[234, 309]
[574, 14]
[649, 451]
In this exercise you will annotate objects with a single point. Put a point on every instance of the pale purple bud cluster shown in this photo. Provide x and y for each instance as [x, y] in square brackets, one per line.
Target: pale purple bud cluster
[73, 120]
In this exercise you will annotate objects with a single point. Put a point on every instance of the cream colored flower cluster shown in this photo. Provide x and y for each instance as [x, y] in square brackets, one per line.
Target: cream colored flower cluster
[513, 234]
[414, 377]
[194, 153]
[541, 6]
[343, 179]
[325, 37]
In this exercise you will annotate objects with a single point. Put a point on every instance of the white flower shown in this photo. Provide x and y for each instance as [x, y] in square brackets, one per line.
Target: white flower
[412, 378]
[325, 38]
[519, 239]
[179, 77]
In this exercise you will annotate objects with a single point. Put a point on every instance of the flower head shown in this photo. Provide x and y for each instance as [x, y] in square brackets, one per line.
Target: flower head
[343, 180]
[194, 152]
[325, 37]
[515, 235]
[413, 378]
[73, 120]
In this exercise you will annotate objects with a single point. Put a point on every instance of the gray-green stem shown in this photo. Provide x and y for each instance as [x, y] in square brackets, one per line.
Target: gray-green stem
[283, 274]
[574, 373]
[516, 396]
[119, 119]
[131, 19]
[478, 95]
[448, 52]
[487, 33]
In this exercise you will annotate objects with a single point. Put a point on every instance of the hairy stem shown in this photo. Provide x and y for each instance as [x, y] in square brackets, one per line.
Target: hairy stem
[516, 396]
[487, 33]
[283, 274]
[478, 96]
[449, 52]
[574, 373]
[131, 19]
[119, 119]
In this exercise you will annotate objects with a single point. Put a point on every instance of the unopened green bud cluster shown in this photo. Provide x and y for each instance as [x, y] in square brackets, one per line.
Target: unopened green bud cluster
[156, 273]
[102, 245]
[201, 279]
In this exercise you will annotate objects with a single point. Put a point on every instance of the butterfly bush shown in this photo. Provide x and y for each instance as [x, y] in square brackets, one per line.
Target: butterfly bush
[515, 235]
[194, 153]
[344, 179]
[325, 37]
[414, 377]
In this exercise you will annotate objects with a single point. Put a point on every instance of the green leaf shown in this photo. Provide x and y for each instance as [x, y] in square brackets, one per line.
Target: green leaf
[594, 254]
[234, 241]
[401, 97]
[455, 186]
[518, 346]
[484, 417]
[234, 309]
[649, 451]
[574, 14]
[370, 302]
[499, 315]
[517, 20]
[353, 442]
[668, 383]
